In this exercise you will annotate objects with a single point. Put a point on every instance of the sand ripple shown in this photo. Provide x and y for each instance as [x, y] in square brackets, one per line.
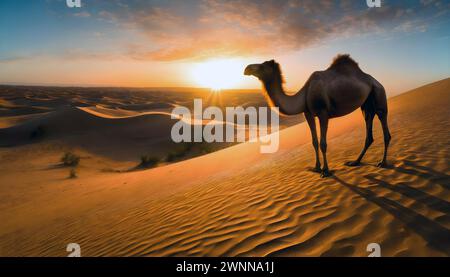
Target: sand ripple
[278, 207]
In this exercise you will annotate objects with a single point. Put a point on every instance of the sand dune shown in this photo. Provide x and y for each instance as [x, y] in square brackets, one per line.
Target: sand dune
[89, 129]
[128, 134]
[238, 202]
[134, 122]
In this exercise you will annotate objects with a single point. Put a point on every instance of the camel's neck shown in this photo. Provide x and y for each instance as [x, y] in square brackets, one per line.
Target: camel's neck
[288, 104]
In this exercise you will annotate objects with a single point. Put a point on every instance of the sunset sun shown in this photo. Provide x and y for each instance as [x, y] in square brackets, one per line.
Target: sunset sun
[218, 74]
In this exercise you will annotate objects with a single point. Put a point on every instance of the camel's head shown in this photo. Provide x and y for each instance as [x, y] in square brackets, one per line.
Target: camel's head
[265, 71]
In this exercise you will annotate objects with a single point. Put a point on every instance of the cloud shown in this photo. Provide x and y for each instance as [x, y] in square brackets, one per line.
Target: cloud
[82, 14]
[198, 29]
[14, 59]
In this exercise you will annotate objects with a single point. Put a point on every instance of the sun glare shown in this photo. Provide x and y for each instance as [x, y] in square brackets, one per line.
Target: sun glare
[218, 74]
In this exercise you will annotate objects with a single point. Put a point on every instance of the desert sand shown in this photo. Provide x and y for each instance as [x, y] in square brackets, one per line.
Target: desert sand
[233, 202]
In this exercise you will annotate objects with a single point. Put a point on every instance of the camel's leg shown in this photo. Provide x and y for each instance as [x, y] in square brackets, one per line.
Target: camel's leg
[368, 117]
[387, 136]
[312, 127]
[323, 119]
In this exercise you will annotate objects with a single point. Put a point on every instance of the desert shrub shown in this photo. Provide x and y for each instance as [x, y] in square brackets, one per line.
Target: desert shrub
[70, 159]
[148, 161]
[179, 152]
[171, 156]
[206, 148]
[73, 173]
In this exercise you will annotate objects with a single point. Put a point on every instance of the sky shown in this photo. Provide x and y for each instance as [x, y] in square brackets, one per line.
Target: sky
[207, 43]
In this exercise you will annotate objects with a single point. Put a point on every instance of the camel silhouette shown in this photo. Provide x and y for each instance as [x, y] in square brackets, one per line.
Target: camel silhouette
[334, 92]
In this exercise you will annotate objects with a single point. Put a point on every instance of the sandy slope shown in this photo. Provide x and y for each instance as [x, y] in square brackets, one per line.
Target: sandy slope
[239, 202]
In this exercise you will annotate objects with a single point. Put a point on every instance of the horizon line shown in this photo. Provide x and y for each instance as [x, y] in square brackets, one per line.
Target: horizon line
[178, 88]
[112, 86]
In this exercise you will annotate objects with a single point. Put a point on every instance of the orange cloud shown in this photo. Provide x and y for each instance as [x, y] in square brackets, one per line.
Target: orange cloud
[180, 30]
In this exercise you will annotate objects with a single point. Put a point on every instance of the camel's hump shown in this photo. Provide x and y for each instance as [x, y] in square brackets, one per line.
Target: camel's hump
[343, 60]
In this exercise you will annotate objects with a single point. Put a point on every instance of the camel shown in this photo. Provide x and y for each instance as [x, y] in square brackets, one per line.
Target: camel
[334, 92]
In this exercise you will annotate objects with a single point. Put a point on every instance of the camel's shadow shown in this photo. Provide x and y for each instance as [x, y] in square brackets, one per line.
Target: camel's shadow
[433, 232]
[428, 173]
